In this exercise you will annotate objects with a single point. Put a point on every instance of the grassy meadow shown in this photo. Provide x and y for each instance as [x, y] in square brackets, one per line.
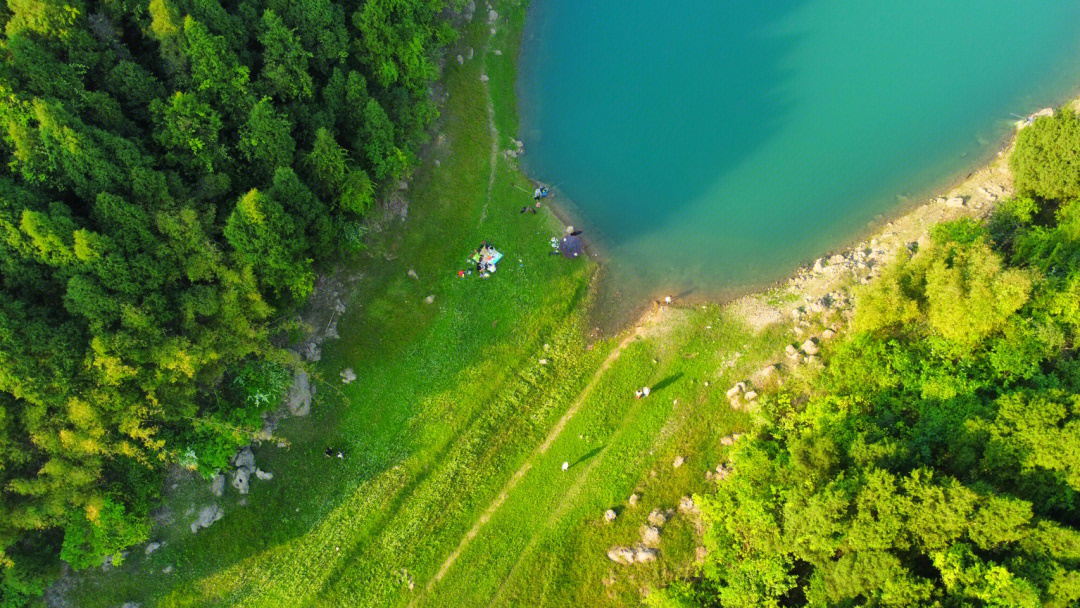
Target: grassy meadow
[454, 420]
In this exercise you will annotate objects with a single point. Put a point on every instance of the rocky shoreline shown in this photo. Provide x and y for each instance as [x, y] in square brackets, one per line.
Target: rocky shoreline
[826, 286]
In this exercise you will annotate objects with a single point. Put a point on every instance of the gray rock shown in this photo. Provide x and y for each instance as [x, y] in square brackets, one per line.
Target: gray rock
[678, 462]
[644, 555]
[954, 202]
[339, 306]
[240, 480]
[621, 555]
[217, 487]
[151, 547]
[484, 78]
[791, 351]
[469, 53]
[828, 334]
[686, 505]
[312, 352]
[819, 265]
[245, 459]
[263, 475]
[167, 569]
[412, 274]
[730, 439]
[207, 516]
[131, 605]
[750, 395]
[809, 347]
[657, 518]
[348, 375]
[300, 394]
[610, 515]
[650, 536]
[633, 500]
[493, 16]
[430, 299]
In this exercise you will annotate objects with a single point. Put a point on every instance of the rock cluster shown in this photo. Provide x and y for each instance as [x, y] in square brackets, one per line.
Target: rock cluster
[516, 151]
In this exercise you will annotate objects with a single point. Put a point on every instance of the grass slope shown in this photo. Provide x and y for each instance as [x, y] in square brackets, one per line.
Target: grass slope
[446, 424]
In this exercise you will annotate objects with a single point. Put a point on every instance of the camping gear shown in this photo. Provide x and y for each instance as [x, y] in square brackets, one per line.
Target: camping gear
[571, 246]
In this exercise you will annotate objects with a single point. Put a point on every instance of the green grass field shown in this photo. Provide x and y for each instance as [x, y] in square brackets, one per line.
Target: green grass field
[447, 428]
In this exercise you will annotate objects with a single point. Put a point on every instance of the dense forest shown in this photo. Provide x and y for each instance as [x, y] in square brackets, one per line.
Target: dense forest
[175, 173]
[936, 461]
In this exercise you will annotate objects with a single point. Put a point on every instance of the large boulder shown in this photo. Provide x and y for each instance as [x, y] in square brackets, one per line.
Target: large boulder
[621, 555]
[245, 459]
[643, 555]
[300, 394]
[241, 480]
[650, 536]
[207, 516]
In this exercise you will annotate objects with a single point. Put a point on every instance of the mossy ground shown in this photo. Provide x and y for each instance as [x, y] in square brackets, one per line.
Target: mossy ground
[451, 402]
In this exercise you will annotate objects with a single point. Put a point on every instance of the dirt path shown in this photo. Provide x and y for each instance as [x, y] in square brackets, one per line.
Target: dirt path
[492, 130]
[557, 430]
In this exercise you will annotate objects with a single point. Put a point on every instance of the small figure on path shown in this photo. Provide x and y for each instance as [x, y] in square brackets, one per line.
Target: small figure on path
[565, 465]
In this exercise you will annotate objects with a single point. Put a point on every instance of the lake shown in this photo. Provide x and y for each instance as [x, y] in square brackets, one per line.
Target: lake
[712, 146]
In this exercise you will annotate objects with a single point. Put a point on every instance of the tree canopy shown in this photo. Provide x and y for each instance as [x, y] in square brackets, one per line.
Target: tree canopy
[175, 173]
[936, 460]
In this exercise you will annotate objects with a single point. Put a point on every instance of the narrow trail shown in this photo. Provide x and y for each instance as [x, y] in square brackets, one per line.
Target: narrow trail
[492, 130]
[528, 464]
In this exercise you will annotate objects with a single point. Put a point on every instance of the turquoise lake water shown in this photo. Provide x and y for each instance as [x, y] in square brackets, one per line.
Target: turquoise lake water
[709, 146]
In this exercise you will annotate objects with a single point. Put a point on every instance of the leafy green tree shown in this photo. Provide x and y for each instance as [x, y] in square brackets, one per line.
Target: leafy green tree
[265, 140]
[266, 239]
[154, 218]
[285, 62]
[1045, 161]
[190, 130]
[104, 532]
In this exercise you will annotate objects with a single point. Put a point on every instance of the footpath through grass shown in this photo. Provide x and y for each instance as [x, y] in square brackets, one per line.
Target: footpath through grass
[452, 400]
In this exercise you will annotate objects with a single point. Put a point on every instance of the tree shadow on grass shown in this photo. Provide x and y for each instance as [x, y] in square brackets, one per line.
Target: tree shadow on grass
[666, 382]
[588, 455]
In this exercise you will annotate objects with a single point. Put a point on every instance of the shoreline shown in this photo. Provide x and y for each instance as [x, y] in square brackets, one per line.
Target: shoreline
[983, 173]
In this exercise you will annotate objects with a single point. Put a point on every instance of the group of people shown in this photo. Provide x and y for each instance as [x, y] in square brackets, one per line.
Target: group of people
[539, 193]
[484, 259]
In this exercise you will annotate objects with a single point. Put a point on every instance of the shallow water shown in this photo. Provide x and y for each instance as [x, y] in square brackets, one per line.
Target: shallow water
[713, 146]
